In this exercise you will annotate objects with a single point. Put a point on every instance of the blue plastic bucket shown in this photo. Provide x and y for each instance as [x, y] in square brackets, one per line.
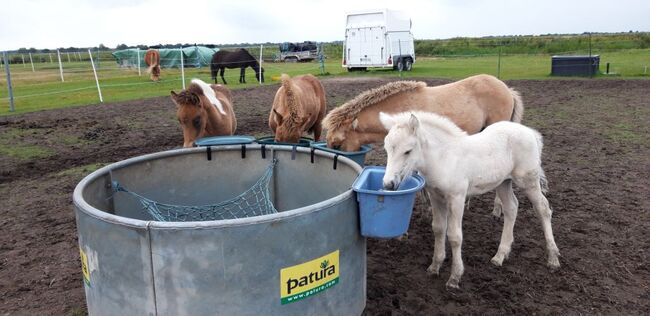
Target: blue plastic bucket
[385, 214]
[224, 140]
[358, 156]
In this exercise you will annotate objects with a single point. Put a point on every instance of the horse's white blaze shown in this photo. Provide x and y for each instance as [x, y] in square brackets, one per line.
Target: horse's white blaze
[210, 94]
[456, 166]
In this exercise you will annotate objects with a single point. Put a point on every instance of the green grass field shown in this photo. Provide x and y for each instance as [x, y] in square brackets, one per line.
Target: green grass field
[43, 89]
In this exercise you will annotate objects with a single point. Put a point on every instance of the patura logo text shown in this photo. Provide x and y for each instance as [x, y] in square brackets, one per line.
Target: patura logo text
[309, 278]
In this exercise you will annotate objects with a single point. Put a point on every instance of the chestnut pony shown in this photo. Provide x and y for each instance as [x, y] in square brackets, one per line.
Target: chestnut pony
[204, 110]
[472, 104]
[299, 106]
[152, 59]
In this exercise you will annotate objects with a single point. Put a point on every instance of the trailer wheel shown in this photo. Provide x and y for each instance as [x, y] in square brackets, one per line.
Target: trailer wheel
[291, 59]
[408, 64]
[400, 65]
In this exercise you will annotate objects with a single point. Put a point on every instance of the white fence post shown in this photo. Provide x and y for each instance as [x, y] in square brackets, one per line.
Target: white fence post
[139, 71]
[58, 54]
[31, 62]
[99, 90]
[50, 54]
[11, 92]
[23, 57]
[68, 53]
[182, 68]
[260, 70]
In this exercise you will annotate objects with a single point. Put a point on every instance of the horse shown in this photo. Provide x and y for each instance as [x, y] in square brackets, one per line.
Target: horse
[299, 106]
[457, 165]
[240, 58]
[472, 103]
[152, 59]
[204, 110]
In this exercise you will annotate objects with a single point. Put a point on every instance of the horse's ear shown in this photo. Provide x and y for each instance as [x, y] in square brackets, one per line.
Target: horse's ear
[386, 120]
[414, 123]
[173, 94]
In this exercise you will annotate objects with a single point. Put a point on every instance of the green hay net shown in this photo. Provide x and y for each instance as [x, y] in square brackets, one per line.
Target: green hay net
[252, 202]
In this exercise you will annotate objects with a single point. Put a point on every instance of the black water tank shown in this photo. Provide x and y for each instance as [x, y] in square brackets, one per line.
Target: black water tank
[575, 65]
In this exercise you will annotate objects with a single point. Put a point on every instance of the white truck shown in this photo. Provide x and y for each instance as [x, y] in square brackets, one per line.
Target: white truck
[378, 38]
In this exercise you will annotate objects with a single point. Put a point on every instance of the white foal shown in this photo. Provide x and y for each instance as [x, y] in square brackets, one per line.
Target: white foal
[456, 166]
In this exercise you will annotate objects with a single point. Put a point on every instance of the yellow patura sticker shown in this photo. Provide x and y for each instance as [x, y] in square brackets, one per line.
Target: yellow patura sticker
[309, 278]
[84, 266]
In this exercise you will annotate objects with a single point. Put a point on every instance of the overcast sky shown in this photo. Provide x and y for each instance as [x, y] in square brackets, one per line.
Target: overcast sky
[78, 23]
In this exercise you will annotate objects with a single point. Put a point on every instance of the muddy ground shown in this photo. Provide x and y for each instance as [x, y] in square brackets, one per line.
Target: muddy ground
[597, 158]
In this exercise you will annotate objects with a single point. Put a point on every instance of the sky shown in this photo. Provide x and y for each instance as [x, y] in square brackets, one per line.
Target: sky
[77, 23]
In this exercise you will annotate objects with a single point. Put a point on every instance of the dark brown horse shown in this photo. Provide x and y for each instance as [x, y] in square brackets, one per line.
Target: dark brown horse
[152, 59]
[240, 58]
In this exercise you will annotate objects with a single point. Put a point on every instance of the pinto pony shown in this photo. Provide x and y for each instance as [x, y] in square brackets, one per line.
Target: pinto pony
[456, 166]
[152, 59]
[204, 110]
[472, 103]
[299, 106]
[241, 59]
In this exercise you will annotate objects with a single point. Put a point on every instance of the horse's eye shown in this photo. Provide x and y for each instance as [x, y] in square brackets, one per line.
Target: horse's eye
[197, 122]
[407, 152]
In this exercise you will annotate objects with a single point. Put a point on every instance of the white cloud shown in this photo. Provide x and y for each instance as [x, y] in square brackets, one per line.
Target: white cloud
[51, 24]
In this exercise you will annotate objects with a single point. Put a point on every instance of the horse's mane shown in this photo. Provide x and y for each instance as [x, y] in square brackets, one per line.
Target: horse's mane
[433, 120]
[208, 93]
[290, 99]
[350, 109]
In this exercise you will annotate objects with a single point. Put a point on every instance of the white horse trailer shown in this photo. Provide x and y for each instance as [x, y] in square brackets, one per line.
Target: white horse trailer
[378, 38]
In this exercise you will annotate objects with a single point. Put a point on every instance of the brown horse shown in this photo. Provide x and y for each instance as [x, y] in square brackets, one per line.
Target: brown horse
[204, 110]
[299, 106]
[472, 104]
[152, 59]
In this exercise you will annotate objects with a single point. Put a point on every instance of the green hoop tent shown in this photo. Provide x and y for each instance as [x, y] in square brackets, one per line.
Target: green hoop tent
[193, 56]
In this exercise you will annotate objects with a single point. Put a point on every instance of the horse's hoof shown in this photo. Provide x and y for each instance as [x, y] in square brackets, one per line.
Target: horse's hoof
[554, 263]
[497, 260]
[433, 270]
[452, 284]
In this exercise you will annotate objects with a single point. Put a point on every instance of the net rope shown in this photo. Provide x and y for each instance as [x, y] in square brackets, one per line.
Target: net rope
[253, 202]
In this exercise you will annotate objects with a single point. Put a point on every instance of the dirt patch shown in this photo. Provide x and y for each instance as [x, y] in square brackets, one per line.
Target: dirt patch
[597, 158]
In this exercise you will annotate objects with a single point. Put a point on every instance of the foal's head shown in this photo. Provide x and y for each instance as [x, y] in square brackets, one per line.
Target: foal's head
[191, 114]
[344, 136]
[402, 148]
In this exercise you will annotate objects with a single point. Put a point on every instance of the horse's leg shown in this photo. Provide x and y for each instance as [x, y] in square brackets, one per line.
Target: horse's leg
[318, 129]
[498, 206]
[223, 69]
[456, 206]
[242, 75]
[510, 205]
[439, 225]
[543, 210]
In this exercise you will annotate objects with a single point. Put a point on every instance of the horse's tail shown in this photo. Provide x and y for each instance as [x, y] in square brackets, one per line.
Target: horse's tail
[518, 109]
[213, 70]
[542, 176]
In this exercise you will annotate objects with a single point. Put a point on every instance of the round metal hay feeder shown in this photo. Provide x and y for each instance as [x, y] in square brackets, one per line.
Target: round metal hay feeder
[307, 259]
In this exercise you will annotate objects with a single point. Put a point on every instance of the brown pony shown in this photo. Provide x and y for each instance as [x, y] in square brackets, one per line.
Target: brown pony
[472, 104]
[299, 106]
[204, 110]
[152, 59]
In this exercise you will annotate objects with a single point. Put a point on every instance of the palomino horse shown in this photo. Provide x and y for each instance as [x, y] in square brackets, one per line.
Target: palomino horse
[152, 59]
[241, 59]
[472, 103]
[299, 106]
[456, 166]
[204, 110]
